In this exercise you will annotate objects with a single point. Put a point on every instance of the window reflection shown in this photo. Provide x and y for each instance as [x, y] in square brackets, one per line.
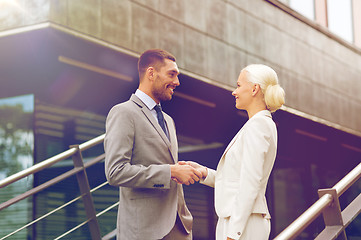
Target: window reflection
[305, 7]
[16, 154]
[340, 18]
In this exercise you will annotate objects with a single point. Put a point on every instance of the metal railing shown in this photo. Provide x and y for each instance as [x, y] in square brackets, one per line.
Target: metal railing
[75, 152]
[328, 204]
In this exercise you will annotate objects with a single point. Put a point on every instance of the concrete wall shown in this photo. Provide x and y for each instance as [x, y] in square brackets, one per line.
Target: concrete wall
[215, 39]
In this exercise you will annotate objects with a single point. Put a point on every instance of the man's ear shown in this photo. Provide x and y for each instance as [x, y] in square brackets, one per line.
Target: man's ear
[149, 73]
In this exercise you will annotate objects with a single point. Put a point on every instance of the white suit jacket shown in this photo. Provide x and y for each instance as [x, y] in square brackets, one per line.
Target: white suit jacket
[242, 174]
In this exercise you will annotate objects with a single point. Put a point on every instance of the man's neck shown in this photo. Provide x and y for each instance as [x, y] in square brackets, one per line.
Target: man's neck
[148, 92]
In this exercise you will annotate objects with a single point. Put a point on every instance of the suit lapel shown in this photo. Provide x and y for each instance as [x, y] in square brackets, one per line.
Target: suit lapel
[264, 113]
[172, 137]
[156, 125]
[231, 143]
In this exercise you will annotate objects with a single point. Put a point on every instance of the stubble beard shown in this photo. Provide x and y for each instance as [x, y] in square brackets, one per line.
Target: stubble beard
[161, 94]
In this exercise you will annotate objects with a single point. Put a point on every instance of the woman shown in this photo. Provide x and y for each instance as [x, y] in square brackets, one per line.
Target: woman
[242, 174]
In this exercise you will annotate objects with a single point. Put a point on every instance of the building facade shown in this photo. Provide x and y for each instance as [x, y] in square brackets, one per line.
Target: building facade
[77, 58]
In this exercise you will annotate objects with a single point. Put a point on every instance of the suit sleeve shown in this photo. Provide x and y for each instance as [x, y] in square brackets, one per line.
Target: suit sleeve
[210, 179]
[118, 147]
[253, 145]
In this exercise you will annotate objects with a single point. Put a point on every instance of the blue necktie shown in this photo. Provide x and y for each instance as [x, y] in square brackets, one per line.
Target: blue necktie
[160, 118]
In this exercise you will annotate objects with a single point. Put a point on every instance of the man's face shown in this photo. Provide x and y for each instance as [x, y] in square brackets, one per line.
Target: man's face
[166, 80]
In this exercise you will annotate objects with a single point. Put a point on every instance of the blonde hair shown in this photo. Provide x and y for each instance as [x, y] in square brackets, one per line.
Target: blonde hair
[266, 77]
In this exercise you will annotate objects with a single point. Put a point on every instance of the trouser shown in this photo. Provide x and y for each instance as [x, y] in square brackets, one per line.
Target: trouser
[258, 227]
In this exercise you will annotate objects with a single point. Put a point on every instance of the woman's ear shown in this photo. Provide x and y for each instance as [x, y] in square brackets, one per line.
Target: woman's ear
[255, 89]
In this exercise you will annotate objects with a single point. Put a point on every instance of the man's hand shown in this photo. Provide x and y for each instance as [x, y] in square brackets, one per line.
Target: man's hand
[197, 166]
[184, 174]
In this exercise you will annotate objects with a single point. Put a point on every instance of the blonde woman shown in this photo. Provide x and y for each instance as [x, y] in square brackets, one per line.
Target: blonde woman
[242, 174]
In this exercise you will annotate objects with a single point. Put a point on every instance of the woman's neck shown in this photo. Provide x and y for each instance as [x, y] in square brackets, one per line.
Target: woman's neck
[255, 109]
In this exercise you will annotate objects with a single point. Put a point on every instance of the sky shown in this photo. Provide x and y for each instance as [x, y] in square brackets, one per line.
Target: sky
[26, 100]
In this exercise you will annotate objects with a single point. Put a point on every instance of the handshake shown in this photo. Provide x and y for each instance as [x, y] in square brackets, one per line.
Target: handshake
[188, 172]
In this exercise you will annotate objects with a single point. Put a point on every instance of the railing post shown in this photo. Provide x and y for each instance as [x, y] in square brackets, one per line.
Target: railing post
[85, 191]
[332, 217]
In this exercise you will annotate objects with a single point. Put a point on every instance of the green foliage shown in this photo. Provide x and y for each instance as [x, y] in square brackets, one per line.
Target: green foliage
[16, 147]
[15, 130]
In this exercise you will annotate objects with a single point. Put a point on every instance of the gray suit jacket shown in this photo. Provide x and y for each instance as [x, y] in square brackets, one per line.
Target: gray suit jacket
[137, 158]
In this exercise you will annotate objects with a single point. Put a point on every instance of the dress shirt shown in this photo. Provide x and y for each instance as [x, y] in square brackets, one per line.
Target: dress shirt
[150, 103]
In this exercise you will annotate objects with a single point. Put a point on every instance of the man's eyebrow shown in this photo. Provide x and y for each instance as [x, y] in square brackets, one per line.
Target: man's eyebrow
[174, 71]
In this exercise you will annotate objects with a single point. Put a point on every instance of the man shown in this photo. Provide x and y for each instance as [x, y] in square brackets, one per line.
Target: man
[142, 157]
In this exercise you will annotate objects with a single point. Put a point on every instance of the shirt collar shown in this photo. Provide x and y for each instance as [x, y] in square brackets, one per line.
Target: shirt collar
[148, 101]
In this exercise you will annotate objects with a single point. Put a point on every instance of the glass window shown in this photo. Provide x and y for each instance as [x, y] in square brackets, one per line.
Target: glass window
[16, 154]
[305, 7]
[340, 18]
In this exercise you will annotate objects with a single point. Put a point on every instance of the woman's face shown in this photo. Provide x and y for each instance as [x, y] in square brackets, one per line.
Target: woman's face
[243, 92]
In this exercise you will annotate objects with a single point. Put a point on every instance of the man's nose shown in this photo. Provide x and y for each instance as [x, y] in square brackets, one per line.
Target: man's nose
[176, 81]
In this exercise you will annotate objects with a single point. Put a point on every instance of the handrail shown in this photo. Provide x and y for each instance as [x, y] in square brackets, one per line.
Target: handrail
[62, 207]
[68, 153]
[292, 231]
[42, 217]
[75, 152]
[297, 226]
[348, 180]
[50, 161]
[49, 183]
[305, 219]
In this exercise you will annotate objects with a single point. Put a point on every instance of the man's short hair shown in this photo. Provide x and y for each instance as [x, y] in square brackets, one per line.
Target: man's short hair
[153, 58]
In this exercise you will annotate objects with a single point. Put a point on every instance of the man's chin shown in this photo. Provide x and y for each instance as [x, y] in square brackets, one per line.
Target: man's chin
[167, 98]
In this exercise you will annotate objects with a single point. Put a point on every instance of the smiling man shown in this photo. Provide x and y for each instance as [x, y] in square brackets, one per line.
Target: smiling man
[141, 157]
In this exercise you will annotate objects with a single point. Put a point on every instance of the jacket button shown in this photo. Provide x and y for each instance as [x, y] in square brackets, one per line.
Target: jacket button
[239, 233]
